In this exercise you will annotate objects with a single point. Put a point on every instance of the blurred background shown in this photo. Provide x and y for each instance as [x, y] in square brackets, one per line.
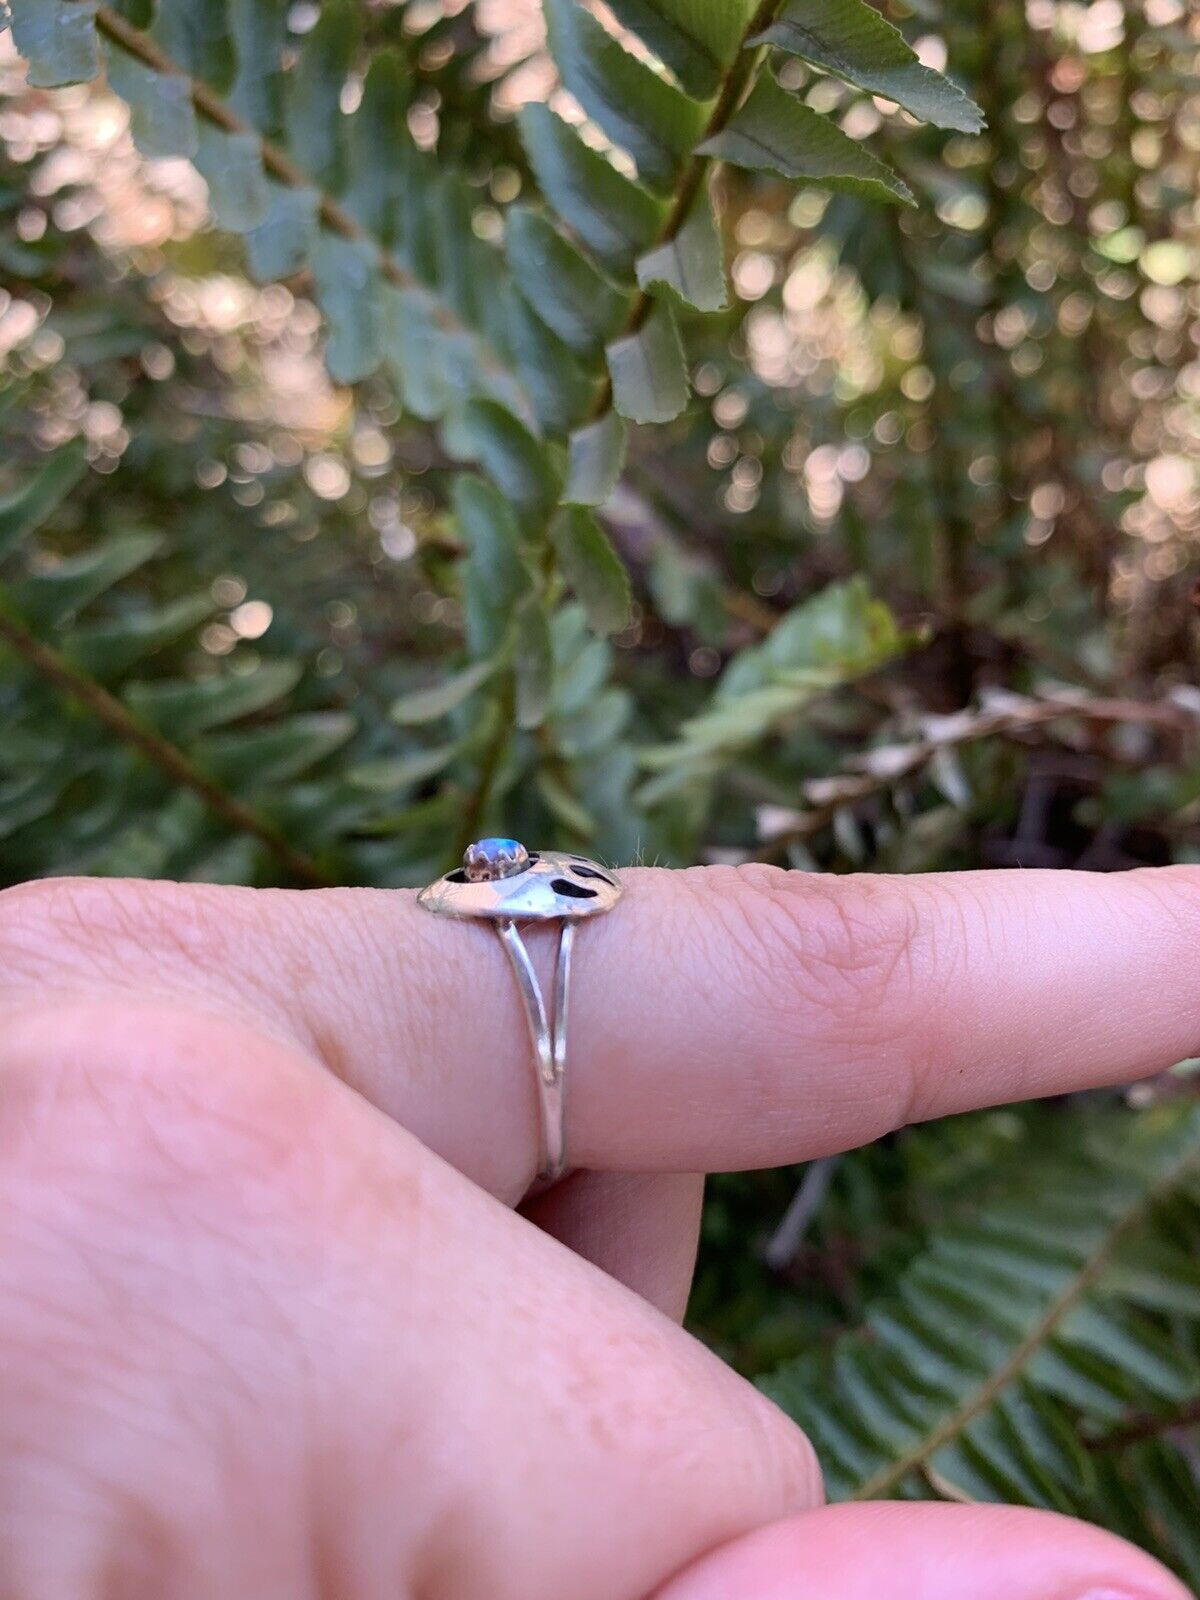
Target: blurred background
[988, 406]
[233, 586]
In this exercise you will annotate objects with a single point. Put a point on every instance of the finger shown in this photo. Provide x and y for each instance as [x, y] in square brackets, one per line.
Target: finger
[892, 1551]
[258, 1341]
[720, 1018]
[642, 1228]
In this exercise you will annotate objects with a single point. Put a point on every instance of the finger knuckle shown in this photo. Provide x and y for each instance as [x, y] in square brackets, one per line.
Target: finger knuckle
[846, 948]
[859, 965]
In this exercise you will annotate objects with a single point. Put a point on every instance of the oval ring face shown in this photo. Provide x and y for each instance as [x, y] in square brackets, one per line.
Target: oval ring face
[553, 886]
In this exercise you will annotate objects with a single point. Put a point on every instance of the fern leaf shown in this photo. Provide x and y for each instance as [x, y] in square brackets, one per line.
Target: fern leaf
[1018, 1358]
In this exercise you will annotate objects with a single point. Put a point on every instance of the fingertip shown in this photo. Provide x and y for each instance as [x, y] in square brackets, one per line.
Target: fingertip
[897, 1551]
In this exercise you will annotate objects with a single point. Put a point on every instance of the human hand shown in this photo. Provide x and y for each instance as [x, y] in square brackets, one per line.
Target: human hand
[270, 1328]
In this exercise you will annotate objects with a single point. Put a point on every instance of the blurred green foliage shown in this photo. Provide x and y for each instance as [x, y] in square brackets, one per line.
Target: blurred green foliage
[413, 428]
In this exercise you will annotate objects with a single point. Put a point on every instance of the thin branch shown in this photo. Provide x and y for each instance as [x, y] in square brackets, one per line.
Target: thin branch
[1146, 1425]
[489, 767]
[282, 168]
[180, 768]
[334, 217]
[952, 531]
[276, 161]
[797, 1219]
[729, 98]
[851, 786]
[945, 1488]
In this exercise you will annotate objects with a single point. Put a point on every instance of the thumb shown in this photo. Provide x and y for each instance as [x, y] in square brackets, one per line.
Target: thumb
[888, 1550]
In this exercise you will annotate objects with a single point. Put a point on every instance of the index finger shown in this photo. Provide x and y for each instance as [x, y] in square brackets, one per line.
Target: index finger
[721, 1017]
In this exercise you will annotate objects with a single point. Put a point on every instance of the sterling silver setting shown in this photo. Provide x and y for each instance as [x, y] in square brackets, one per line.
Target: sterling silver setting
[503, 883]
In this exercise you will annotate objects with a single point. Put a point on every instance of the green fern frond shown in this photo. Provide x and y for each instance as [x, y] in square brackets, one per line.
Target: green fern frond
[526, 378]
[155, 772]
[1043, 1347]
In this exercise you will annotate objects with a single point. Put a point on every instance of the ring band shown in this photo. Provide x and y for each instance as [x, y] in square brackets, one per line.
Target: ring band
[503, 883]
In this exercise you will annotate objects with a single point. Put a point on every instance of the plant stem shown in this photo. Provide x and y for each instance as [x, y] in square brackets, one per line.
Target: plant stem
[476, 806]
[1146, 1425]
[729, 97]
[180, 768]
[806, 1202]
[952, 530]
[881, 1483]
[276, 161]
[851, 786]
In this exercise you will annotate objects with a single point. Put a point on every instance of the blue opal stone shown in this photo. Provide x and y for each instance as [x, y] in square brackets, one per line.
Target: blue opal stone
[489, 859]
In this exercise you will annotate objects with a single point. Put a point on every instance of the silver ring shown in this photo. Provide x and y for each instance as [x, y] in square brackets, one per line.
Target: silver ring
[503, 883]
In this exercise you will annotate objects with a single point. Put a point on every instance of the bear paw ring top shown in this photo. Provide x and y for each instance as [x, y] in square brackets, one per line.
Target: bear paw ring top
[503, 883]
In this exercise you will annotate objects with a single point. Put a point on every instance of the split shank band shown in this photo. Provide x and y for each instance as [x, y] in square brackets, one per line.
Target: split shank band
[502, 882]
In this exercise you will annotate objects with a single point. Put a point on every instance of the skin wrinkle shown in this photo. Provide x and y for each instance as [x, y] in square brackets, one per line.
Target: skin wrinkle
[93, 920]
[88, 1249]
[1167, 899]
[752, 942]
[947, 955]
[407, 1001]
[207, 1119]
[355, 960]
[714, 937]
[851, 947]
[843, 947]
[103, 1408]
